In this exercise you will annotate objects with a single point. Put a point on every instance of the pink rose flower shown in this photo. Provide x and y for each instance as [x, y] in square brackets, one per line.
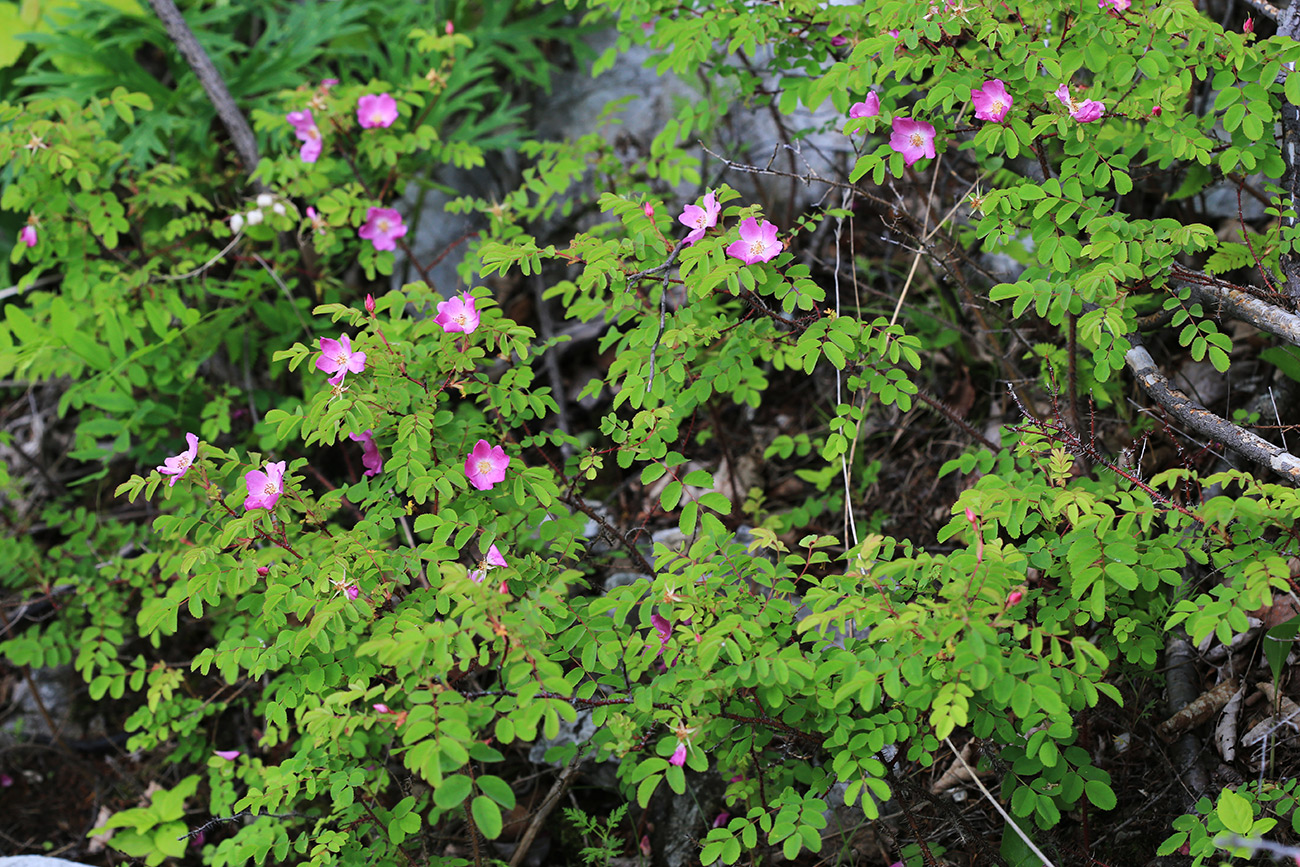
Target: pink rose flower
[383, 227]
[228, 755]
[992, 102]
[304, 127]
[27, 235]
[757, 242]
[678, 757]
[264, 488]
[721, 819]
[913, 139]
[376, 111]
[1115, 6]
[486, 465]
[869, 107]
[337, 357]
[700, 218]
[371, 459]
[494, 557]
[457, 314]
[178, 465]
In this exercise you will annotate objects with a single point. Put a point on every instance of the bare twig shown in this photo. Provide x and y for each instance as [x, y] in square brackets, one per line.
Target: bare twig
[561, 784]
[994, 801]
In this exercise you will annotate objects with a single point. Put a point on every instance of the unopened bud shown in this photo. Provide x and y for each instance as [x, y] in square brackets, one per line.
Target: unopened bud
[648, 209]
[263, 571]
[1249, 26]
[451, 28]
[370, 304]
[1013, 597]
[1155, 112]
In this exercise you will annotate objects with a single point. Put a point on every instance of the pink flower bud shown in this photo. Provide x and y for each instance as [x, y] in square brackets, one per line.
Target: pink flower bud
[370, 304]
[1249, 26]
[1155, 112]
[1013, 597]
[263, 571]
[648, 209]
[381, 708]
[970, 515]
[451, 28]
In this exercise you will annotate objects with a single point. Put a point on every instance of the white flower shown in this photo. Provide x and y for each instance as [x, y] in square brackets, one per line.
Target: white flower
[254, 217]
[237, 223]
[264, 200]
[278, 208]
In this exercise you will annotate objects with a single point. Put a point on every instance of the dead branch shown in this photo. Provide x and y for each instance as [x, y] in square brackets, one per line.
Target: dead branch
[241, 134]
[1196, 712]
[1196, 417]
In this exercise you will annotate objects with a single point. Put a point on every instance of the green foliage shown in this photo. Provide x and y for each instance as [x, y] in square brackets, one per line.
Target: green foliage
[354, 619]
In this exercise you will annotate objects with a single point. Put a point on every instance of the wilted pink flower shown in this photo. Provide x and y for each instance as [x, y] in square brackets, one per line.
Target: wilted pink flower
[27, 235]
[757, 242]
[894, 33]
[304, 127]
[869, 107]
[317, 221]
[376, 111]
[1114, 5]
[837, 41]
[336, 356]
[371, 459]
[352, 591]
[228, 755]
[178, 465]
[721, 819]
[493, 560]
[382, 708]
[263, 571]
[913, 139]
[1013, 597]
[678, 757]
[700, 218]
[264, 488]
[992, 102]
[664, 628]
[486, 465]
[6, 781]
[1084, 112]
[457, 314]
[383, 227]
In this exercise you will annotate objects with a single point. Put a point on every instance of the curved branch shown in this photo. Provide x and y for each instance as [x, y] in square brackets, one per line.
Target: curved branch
[1237, 304]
